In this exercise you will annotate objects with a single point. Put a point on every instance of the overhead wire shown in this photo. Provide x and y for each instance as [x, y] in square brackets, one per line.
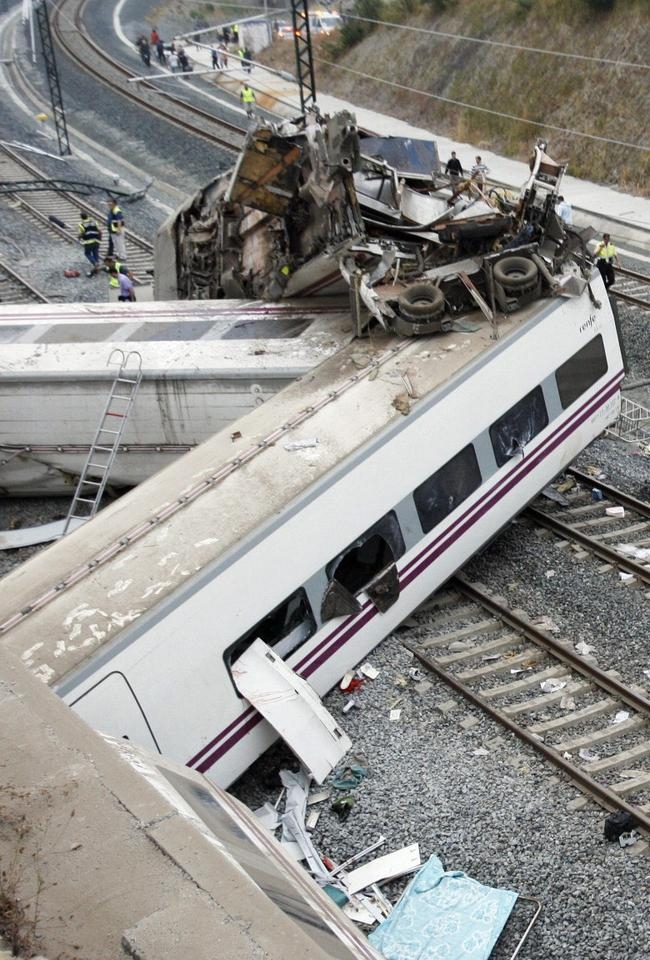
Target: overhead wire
[471, 106]
[501, 43]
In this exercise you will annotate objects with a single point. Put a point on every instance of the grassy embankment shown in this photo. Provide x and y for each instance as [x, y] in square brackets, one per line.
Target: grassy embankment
[603, 100]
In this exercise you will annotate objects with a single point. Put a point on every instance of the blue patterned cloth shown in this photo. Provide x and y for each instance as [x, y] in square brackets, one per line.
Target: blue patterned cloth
[444, 916]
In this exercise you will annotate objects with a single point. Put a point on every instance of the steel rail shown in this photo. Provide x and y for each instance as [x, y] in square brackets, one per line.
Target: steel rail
[77, 202]
[639, 506]
[20, 282]
[602, 794]
[627, 297]
[96, 62]
[608, 554]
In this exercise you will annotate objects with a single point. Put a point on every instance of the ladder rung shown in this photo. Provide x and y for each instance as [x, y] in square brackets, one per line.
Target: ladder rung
[84, 500]
[104, 430]
[98, 446]
[111, 413]
[100, 466]
[91, 483]
[118, 396]
[124, 380]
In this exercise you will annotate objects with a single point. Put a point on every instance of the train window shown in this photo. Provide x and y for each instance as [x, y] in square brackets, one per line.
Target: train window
[284, 629]
[580, 371]
[445, 489]
[380, 546]
[517, 427]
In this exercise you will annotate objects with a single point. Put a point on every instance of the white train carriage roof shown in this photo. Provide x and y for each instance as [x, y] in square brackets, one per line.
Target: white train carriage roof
[186, 339]
[80, 593]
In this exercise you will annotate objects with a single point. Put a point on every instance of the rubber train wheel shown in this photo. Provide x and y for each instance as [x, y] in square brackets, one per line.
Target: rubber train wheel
[422, 301]
[516, 273]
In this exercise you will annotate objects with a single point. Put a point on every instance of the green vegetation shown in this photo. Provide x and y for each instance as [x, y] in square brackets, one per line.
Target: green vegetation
[475, 92]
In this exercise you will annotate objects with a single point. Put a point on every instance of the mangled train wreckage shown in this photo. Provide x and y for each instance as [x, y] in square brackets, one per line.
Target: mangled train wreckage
[318, 209]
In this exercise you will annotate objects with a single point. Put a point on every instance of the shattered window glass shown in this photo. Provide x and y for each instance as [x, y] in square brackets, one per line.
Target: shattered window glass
[445, 489]
[284, 629]
[517, 427]
[581, 371]
[368, 555]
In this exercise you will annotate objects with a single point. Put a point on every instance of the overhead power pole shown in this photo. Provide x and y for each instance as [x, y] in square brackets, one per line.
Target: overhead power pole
[304, 57]
[58, 113]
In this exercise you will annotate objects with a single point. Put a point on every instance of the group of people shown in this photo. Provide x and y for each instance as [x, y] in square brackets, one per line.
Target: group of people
[90, 237]
[169, 55]
[454, 170]
[605, 252]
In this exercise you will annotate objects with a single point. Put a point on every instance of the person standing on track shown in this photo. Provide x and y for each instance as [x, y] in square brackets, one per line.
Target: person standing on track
[247, 97]
[115, 224]
[89, 238]
[606, 257]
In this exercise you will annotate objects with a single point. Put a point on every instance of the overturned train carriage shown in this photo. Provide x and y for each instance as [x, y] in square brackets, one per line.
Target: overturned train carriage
[317, 209]
[272, 226]
[336, 509]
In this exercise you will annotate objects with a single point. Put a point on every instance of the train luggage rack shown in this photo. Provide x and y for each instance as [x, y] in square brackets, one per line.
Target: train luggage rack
[583, 720]
[626, 525]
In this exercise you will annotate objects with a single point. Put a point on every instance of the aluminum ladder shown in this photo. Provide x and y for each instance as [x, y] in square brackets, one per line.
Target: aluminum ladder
[106, 442]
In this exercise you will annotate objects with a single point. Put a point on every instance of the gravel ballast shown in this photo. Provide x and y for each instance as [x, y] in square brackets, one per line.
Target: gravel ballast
[500, 814]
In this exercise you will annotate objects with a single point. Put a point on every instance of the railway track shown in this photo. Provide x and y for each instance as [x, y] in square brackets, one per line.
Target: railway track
[616, 528]
[15, 289]
[42, 205]
[583, 720]
[629, 284]
[89, 57]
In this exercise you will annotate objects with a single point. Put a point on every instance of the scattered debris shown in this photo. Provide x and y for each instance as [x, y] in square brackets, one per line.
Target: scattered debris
[552, 685]
[549, 574]
[343, 808]
[395, 864]
[301, 444]
[319, 797]
[625, 577]
[268, 816]
[584, 649]
[636, 553]
[351, 704]
[615, 511]
[596, 494]
[618, 823]
[416, 674]
[235, 435]
[369, 671]
[402, 403]
[621, 716]
[551, 493]
[395, 715]
[349, 777]
[565, 485]
[567, 703]
[312, 819]
[481, 752]
[628, 839]
[588, 755]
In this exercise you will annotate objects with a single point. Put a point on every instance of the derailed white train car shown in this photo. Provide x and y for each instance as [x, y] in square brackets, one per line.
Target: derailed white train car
[332, 513]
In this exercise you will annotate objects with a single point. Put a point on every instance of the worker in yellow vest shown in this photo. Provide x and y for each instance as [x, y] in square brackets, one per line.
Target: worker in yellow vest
[110, 263]
[247, 97]
[606, 257]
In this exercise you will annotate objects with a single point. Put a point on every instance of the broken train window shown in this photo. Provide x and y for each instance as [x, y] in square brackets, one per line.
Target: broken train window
[446, 489]
[518, 425]
[284, 629]
[366, 564]
[581, 371]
